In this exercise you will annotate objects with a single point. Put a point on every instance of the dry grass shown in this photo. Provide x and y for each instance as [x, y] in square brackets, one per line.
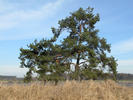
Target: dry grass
[70, 90]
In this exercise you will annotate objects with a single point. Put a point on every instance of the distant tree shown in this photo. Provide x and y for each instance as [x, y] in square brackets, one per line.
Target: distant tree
[81, 55]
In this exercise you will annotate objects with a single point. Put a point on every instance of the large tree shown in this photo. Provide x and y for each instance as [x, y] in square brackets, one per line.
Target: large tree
[82, 54]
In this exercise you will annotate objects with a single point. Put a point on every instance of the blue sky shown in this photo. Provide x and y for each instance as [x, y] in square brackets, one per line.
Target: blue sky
[22, 21]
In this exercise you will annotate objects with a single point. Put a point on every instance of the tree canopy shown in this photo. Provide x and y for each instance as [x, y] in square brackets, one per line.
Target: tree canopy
[81, 55]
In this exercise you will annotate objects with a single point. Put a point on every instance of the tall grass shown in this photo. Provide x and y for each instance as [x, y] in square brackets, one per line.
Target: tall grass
[69, 90]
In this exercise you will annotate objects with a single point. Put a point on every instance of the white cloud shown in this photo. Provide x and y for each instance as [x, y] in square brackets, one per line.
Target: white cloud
[125, 66]
[17, 16]
[122, 50]
[21, 36]
[125, 62]
[12, 70]
[4, 6]
[123, 47]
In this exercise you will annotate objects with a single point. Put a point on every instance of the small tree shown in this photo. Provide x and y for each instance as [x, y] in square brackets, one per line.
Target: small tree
[28, 77]
[82, 49]
[41, 58]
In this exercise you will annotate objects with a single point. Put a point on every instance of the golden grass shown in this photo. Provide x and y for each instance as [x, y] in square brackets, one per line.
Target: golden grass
[70, 90]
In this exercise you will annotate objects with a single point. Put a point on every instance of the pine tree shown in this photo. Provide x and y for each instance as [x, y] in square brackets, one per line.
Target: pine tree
[83, 47]
[42, 58]
[81, 55]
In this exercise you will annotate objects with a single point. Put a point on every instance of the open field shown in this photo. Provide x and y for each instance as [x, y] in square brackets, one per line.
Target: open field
[70, 90]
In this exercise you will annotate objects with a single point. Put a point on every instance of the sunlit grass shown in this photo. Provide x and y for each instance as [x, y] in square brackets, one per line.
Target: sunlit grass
[69, 90]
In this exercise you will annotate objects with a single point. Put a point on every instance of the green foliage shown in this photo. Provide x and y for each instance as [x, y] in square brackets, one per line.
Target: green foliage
[28, 77]
[82, 49]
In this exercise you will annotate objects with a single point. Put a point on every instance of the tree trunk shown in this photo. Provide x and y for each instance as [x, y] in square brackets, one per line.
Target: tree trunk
[77, 69]
[77, 63]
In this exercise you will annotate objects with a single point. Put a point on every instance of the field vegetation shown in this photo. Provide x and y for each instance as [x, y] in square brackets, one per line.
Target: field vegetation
[69, 90]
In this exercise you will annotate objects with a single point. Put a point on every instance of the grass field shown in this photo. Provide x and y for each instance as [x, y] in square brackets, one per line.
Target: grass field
[70, 90]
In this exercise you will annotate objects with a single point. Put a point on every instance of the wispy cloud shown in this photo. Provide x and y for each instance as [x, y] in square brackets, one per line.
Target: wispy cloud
[128, 62]
[122, 50]
[12, 70]
[5, 7]
[123, 47]
[17, 16]
[125, 66]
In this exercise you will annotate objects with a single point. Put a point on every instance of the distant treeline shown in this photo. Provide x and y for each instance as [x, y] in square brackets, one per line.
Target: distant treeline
[2, 77]
[7, 77]
[120, 76]
[124, 76]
